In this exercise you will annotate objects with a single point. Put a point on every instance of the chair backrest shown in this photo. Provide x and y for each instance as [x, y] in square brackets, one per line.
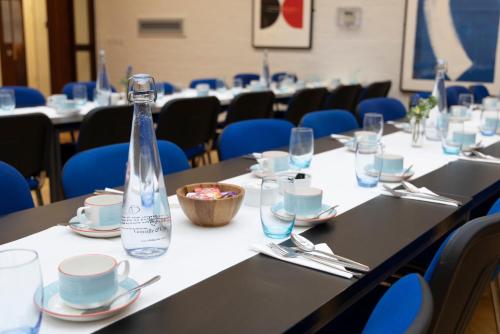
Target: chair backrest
[211, 82]
[188, 122]
[375, 89]
[390, 108]
[105, 126]
[303, 102]
[405, 308]
[27, 143]
[26, 96]
[495, 208]
[343, 97]
[246, 78]
[278, 76]
[479, 92]
[105, 166]
[461, 269]
[250, 106]
[255, 135]
[15, 194]
[452, 93]
[326, 122]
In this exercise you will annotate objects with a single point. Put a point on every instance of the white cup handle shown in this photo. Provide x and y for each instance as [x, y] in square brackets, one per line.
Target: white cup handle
[80, 213]
[126, 269]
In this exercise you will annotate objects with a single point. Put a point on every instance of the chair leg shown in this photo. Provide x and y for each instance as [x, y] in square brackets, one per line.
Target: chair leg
[495, 295]
[39, 198]
[204, 159]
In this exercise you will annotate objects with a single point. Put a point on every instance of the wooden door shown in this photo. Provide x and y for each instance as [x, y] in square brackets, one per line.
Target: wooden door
[12, 48]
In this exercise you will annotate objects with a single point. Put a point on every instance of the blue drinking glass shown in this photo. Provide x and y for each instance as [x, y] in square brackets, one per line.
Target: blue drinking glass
[489, 122]
[367, 170]
[301, 147]
[451, 132]
[21, 282]
[277, 222]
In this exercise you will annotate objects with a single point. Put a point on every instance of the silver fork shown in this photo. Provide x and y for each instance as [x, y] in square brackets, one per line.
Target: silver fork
[286, 253]
[402, 194]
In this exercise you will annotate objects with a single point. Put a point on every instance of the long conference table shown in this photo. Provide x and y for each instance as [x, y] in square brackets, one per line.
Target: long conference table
[62, 119]
[213, 283]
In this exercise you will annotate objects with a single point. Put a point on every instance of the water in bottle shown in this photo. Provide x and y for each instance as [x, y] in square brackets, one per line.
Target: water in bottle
[103, 86]
[146, 220]
[432, 129]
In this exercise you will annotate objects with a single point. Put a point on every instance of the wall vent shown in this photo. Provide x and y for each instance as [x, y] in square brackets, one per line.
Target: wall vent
[167, 27]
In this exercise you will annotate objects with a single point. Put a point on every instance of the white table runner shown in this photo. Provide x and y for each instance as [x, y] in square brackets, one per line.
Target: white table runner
[197, 253]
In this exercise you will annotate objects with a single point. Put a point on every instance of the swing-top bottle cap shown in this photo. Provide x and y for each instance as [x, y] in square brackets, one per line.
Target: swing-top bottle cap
[141, 88]
[441, 64]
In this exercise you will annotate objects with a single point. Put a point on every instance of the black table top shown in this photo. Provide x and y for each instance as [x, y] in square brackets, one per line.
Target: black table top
[263, 295]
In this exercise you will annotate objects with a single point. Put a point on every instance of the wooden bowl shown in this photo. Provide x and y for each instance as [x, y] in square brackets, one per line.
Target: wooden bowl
[210, 213]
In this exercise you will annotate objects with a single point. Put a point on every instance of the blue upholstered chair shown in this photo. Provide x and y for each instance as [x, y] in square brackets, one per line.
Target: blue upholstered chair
[278, 76]
[452, 94]
[246, 78]
[26, 96]
[495, 208]
[405, 308]
[68, 89]
[15, 194]
[168, 87]
[326, 122]
[479, 92]
[104, 166]
[390, 108]
[250, 136]
[463, 265]
[211, 82]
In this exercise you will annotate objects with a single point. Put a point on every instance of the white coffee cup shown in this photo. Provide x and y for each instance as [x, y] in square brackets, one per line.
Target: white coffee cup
[274, 161]
[101, 212]
[90, 280]
[303, 201]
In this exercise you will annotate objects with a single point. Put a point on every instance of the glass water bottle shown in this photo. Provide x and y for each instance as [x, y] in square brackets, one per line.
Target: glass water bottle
[146, 221]
[432, 131]
[103, 87]
[266, 76]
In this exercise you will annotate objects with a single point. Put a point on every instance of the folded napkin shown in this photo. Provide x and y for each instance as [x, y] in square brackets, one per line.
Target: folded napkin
[301, 261]
[491, 161]
[422, 199]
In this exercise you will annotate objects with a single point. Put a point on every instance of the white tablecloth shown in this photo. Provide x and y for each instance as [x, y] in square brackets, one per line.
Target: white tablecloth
[197, 253]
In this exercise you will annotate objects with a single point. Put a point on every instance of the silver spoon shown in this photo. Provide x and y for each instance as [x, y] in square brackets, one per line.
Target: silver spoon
[330, 209]
[107, 306]
[406, 171]
[306, 245]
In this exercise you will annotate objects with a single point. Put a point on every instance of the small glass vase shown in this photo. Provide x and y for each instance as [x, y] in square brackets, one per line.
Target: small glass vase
[417, 132]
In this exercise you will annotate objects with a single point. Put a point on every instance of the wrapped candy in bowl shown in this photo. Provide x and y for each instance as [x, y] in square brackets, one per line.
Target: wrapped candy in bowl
[210, 204]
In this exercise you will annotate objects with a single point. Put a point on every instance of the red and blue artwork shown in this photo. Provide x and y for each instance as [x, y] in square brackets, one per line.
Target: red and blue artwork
[282, 23]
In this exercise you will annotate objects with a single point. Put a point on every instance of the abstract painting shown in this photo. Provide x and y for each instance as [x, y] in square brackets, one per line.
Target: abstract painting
[465, 33]
[282, 23]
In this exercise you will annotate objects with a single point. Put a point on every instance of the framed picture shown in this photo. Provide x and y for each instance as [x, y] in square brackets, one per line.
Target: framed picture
[282, 24]
[463, 33]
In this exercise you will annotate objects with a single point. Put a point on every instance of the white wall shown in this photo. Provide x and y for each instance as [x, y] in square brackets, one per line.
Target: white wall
[218, 41]
[37, 44]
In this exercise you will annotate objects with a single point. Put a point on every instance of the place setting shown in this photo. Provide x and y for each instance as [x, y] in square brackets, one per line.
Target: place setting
[90, 287]
[100, 217]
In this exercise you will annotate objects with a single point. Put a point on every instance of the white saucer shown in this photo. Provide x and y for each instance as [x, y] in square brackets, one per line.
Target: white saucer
[389, 177]
[279, 212]
[55, 307]
[85, 230]
[351, 147]
[257, 171]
